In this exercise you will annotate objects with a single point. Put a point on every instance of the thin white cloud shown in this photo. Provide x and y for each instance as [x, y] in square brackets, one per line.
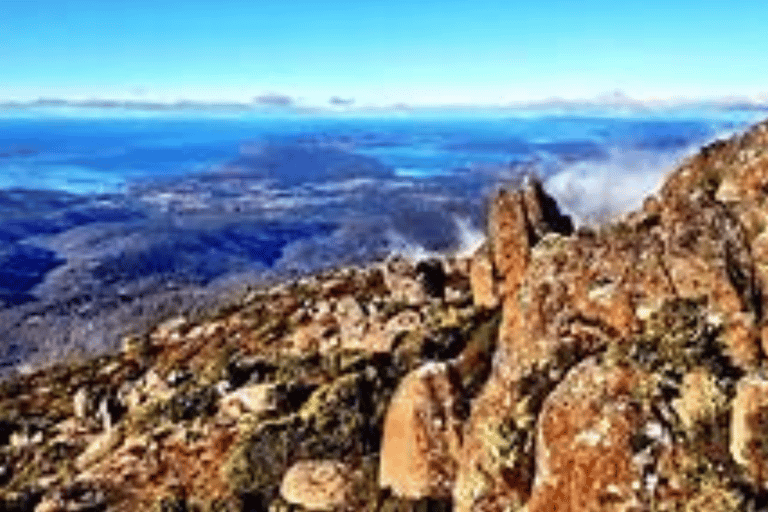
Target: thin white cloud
[612, 102]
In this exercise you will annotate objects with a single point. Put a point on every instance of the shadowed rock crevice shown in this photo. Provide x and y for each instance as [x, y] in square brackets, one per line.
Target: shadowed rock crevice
[543, 213]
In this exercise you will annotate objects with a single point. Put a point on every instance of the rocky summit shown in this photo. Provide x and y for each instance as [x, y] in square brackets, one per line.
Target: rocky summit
[611, 368]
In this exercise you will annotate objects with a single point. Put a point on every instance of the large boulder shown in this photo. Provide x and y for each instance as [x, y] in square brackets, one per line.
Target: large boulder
[584, 455]
[422, 434]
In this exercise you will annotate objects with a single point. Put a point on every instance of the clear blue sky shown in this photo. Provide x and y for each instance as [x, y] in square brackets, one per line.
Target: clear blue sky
[382, 51]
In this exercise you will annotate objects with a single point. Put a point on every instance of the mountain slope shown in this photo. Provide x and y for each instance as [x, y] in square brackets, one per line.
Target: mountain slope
[614, 368]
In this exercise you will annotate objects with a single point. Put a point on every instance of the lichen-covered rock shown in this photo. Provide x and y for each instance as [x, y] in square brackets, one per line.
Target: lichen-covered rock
[403, 282]
[253, 399]
[341, 420]
[422, 434]
[322, 485]
[314, 336]
[700, 398]
[99, 448]
[749, 427]
[584, 455]
[149, 388]
[379, 335]
[566, 297]
[352, 321]
[712, 498]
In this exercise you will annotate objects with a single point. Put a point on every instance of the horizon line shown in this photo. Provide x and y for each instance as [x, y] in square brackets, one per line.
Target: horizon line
[279, 103]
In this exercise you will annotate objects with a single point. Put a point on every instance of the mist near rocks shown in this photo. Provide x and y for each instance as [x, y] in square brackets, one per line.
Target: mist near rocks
[595, 192]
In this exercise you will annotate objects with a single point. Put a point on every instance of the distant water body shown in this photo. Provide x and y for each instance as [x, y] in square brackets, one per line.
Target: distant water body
[103, 154]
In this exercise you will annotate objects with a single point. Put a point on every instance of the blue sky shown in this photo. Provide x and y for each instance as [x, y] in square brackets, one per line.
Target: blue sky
[381, 52]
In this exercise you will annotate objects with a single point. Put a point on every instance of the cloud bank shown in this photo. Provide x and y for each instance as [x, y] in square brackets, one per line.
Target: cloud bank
[596, 191]
[613, 101]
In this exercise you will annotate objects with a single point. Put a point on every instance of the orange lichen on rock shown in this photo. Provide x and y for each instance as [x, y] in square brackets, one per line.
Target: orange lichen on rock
[583, 451]
[145, 470]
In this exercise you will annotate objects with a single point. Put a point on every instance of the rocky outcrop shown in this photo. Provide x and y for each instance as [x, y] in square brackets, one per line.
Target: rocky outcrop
[618, 367]
[568, 297]
[213, 414]
[517, 221]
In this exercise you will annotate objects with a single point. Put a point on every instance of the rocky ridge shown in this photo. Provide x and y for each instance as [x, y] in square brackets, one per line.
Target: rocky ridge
[612, 368]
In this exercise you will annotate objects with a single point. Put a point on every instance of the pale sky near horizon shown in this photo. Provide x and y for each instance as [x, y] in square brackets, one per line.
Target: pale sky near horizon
[381, 51]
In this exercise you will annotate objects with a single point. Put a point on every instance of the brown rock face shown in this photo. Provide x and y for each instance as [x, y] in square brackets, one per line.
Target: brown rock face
[583, 450]
[517, 221]
[508, 231]
[566, 297]
[320, 485]
[482, 278]
[422, 434]
[749, 425]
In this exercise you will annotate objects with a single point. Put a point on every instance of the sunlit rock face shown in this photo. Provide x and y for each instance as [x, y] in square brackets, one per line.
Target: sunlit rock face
[517, 221]
[422, 434]
[584, 456]
[320, 485]
[482, 276]
[692, 254]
